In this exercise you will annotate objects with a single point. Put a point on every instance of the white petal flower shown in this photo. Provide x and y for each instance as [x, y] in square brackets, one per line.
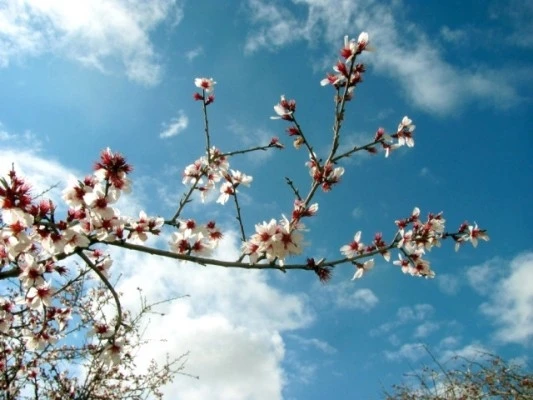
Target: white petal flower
[206, 84]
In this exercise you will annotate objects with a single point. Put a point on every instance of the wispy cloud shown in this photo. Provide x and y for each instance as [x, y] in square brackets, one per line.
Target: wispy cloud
[425, 329]
[96, 33]
[408, 351]
[403, 50]
[510, 304]
[251, 137]
[321, 345]
[452, 35]
[448, 284]
[404, 315]
[4, 134]
[348, 296]
[27, 140]
[483, 277]
[425, 172]
[175, 126]
[357, 212]
[519, 15]
[278, 26]
[192, 54]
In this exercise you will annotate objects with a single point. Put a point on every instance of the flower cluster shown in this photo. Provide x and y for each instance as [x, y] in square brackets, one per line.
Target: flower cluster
[274, 241]
[348, 74]
[285, 109]
[469, 233]
[33, 239]
[35, 243]
[207, 171]
[208, 86]
[233, 180]
[412, 243]
[195, 239]
[326, 175]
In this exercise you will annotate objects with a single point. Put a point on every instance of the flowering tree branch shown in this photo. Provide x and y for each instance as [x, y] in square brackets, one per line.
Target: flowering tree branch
[35, 244]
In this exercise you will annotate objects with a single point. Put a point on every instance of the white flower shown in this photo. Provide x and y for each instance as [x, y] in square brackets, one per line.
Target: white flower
[15, 215]
[112, 352]
[73, 239]
[40, 296]
[226, 190]
[403, 263]
[360, 269]
[284, 109]
[354, 248]
[237, 177]
[362, 40]
[206, 84]
[31, 271]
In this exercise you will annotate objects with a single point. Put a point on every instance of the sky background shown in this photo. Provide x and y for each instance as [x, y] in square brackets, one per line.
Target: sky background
[77, 77]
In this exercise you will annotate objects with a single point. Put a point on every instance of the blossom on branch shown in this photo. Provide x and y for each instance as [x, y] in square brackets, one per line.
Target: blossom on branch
[39, 246]
[207, 84]
[285, 109]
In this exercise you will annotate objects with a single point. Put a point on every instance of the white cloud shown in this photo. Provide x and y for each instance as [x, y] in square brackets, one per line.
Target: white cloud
[314, 342]
[448, 284]
[5, 135]
[175, 126]
[192, 54]
[228, 324]
[449, 342]
[482, 277]
[402, 50]
[41, 173]
[471, 351]
[510, 303]
[96, 33]
[519, 14]
[231, 325]
[409, 351]
[425, 172]
[281, 27]
[347, 295]
[357, 212]
[418, 312]
[249, 138]
[425, 329]
[452, 35]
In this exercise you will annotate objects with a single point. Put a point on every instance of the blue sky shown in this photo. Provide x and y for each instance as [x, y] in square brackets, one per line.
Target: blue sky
[76, 79]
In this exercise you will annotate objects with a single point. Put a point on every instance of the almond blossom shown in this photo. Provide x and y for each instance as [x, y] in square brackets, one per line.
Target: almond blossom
[405, 132]
[207, 84]
[39, 296]
[353, 47]
[140, 228]
[361, 268]
[112, 352]
[285, 109]
[41, 243]
[355, 248]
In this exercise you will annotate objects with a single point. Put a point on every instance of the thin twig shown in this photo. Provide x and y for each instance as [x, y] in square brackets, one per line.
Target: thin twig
[184, 201]
[355, 149]
[339, 114]
[108, 284]
[232, 153]
[294, 189]
[239, 217]
[307, 144]
[206, 129]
